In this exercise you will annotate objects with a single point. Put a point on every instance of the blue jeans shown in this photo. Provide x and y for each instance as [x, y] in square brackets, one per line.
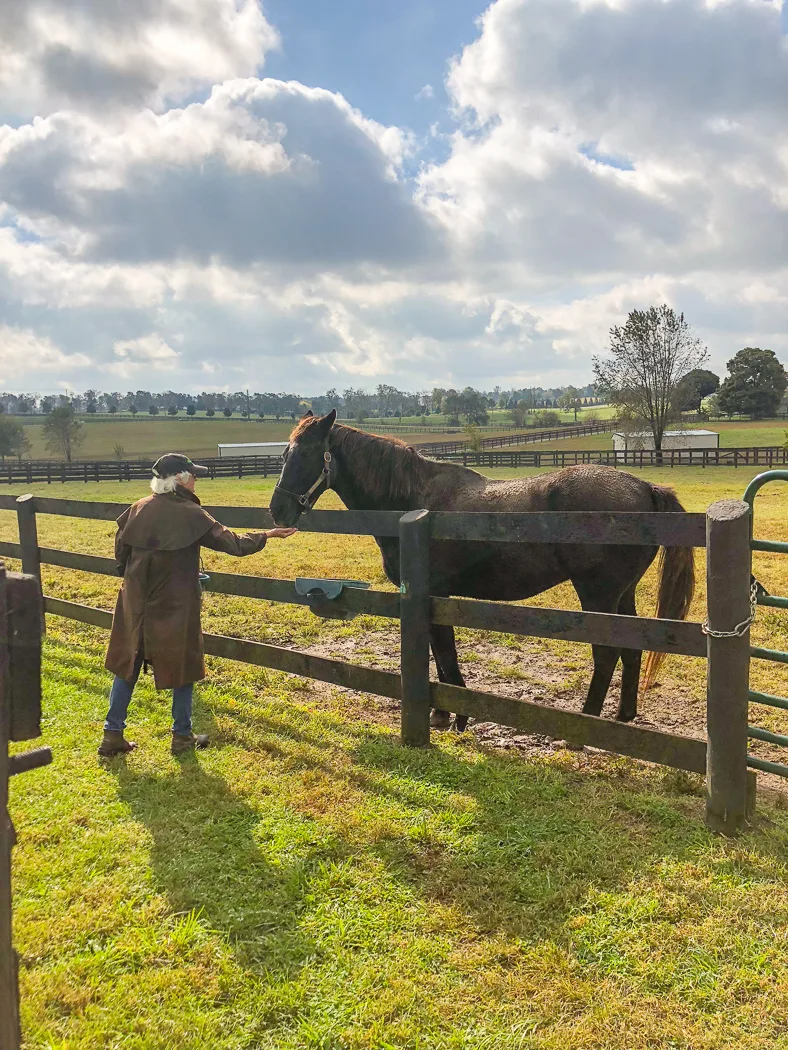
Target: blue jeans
[120, 697]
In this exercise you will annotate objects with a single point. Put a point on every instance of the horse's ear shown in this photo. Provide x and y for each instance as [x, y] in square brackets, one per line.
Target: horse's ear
[327, 422]
[307, 414]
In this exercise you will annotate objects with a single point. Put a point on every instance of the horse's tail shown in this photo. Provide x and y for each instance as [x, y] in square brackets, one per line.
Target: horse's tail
[676, 580]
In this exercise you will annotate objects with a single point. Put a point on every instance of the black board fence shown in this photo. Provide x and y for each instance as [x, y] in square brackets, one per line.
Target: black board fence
[270, 466]
[51, 471]
[762, 456]
[723, 531]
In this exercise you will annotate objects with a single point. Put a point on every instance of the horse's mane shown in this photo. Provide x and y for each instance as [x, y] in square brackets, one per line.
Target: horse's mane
[385, 467]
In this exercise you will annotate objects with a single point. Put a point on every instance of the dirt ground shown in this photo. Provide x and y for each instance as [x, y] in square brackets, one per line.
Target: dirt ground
[535, 674]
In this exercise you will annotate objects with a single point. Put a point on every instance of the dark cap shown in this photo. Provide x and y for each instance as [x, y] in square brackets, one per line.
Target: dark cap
[172, 463]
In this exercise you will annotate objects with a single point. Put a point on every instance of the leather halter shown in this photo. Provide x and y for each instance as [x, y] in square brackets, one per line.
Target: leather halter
[325, 475]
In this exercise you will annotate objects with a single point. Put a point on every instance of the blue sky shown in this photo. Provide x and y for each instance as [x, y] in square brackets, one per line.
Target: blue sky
[377, 53]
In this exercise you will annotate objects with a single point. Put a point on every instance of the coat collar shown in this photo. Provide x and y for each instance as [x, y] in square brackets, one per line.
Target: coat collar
[182, 493]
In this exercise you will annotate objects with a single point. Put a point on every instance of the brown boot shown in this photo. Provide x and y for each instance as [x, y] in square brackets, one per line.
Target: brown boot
[114, 743]
[180, 744]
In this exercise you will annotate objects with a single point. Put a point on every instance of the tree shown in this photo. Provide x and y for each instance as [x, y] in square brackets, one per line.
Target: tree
[473, 437]
[519, 413]
[693, 388]
[20, 444]
[571, 401]
[63, 432]
[191, 410]
[113, 408]
[546, 417]
[473, 405]
[13, 440]
[210, 412]
[133, 409]
[228, 412]
[755, 384]
[172, 410]
[648, 357]
[153, 410]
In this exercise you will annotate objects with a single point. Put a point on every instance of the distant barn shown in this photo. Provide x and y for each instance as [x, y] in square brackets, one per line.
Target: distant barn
[671, 439]
[254, 448]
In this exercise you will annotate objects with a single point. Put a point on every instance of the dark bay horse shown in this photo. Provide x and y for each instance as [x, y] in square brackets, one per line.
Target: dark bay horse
[377, 473]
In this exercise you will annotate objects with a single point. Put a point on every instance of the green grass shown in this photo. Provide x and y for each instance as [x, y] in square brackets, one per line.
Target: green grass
[732, 435]
[307, 883]
[142, 438]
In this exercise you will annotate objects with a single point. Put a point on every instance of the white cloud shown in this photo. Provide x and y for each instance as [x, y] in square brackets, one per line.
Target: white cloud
[27, 355]
[262, 170]
[146, 352]
[634, 137]
[607, 154]
[97, 55]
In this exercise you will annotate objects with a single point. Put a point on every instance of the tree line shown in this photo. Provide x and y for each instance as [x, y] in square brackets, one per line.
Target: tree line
[651, 375]
[384, 402]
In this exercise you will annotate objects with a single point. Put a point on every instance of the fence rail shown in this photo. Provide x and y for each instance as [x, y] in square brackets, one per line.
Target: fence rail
[441, 449]
[245, 466]
[762, 456]
[269, 466]
[417, 609]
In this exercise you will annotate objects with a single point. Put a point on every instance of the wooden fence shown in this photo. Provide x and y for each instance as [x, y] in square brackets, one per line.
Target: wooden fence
[767, 456]
[723, 531]
[270, 466]
[242, 466]
[445, 449]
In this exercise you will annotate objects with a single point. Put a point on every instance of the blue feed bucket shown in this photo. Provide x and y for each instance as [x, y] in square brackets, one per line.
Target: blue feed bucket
[204, 577]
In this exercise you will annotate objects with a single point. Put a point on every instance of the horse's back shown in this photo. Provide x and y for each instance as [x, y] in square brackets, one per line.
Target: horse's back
[587, 487]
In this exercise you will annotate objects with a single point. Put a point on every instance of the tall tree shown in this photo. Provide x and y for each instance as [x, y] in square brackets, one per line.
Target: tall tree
[648, 357]
[571, 401]
[63, 433]
[755, 384]
[693, 388]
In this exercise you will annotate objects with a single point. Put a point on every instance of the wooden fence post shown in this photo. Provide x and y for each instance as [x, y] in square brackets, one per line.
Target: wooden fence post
[9, 1015]
[414, 561]
[728, 562]
[28, 535]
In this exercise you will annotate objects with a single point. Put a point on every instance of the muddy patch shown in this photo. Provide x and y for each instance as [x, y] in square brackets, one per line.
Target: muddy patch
[529, 671]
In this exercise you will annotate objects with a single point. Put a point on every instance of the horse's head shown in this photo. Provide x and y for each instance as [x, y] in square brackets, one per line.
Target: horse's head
[306, 473]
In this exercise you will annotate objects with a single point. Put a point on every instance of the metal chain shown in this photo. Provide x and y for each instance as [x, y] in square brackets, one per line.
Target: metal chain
[740, 628]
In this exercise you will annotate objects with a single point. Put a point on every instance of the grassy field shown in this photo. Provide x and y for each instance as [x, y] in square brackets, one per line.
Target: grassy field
[308, 883]
[143, 438]
[732, 435]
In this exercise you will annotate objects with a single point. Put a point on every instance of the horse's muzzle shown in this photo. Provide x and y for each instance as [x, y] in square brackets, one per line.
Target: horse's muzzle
[285, 509]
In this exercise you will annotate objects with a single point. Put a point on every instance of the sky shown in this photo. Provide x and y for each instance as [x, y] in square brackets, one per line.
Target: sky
[218, 194]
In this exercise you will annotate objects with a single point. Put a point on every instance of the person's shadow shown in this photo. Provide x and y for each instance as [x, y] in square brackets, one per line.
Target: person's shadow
[209, 855]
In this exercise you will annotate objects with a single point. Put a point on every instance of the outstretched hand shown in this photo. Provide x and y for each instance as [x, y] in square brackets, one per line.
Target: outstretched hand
[279, 534]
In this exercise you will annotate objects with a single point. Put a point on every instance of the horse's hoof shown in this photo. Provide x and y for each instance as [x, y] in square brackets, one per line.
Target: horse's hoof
[460, 722]
[440, 720]
[626, 716]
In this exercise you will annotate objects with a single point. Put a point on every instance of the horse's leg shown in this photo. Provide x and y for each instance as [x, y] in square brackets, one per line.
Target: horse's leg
[595, 597]
[630, 658]
[444, 650]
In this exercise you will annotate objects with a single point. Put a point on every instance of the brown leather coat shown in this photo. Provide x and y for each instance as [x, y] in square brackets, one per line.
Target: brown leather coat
[157, 615]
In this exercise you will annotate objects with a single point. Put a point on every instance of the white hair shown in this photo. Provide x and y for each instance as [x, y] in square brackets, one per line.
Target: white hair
[161, 485]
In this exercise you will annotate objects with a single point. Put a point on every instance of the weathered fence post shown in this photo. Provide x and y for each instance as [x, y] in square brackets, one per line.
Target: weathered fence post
[28, 535]
[414, 561]
[9, 1017]
[728, 562]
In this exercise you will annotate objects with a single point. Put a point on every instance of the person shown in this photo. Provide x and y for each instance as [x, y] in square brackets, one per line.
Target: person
[157, 616]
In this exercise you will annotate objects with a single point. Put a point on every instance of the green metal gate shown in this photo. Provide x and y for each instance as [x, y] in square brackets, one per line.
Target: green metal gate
[759, 598]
